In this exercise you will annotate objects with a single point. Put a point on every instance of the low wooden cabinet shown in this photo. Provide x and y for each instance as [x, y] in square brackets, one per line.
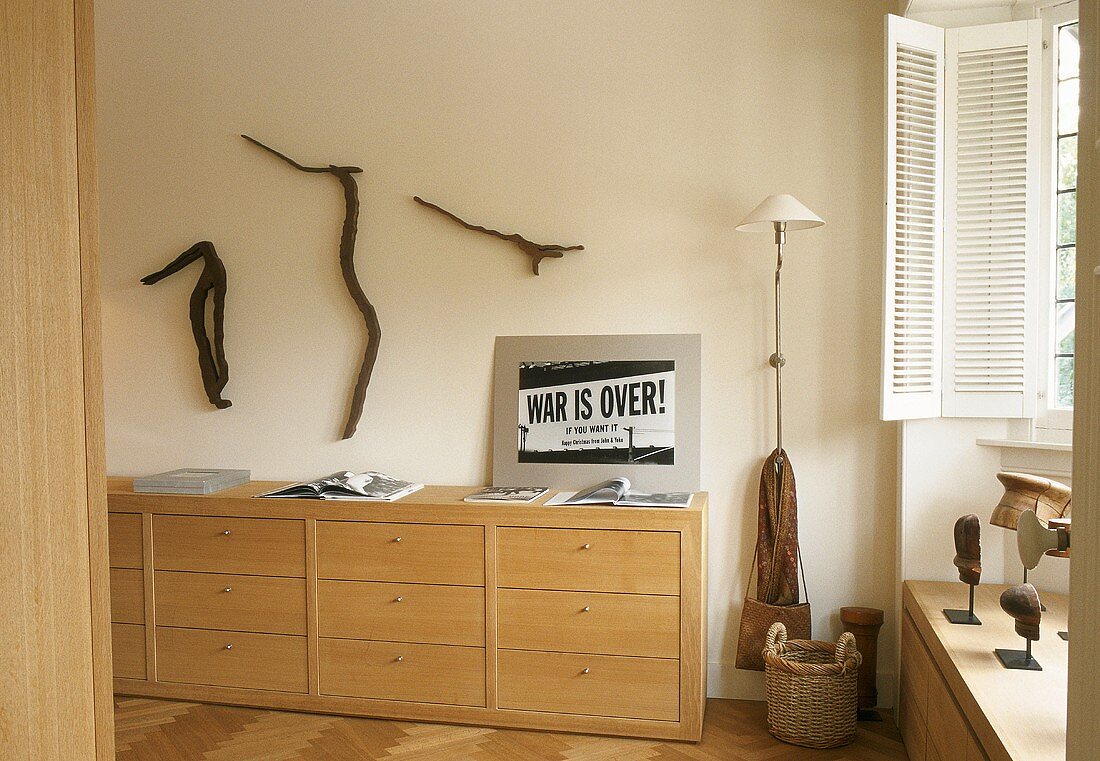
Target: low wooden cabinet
[587, 619]
[956, 702]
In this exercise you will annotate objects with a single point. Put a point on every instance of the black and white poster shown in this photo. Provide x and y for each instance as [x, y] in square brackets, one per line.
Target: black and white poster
[597, 412]
[572, 411]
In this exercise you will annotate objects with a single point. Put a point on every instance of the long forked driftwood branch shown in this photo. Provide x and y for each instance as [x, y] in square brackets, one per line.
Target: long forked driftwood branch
[537, 251]
[345, 175]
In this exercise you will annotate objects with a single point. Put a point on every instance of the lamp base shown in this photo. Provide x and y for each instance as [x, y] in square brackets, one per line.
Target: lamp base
[962, 617]
[1018, 660]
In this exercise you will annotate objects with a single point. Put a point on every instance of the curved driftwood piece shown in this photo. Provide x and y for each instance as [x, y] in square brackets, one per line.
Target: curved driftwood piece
[345, 175]
[212, 282]
[537, 251]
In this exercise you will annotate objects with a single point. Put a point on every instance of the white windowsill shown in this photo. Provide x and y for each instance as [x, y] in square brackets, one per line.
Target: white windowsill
[1041, 458]
[1049, 446]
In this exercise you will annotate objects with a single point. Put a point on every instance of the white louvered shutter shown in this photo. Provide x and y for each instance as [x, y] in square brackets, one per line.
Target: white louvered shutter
[991, 219]
[912, 305]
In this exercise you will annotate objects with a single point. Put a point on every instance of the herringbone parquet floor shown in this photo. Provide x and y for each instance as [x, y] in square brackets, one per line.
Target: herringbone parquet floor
[162, 730]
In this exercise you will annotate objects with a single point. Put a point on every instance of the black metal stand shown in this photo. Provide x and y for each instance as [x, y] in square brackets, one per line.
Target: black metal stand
[964, 616]
[1064, 635]
[1020, 660]
[868, 714]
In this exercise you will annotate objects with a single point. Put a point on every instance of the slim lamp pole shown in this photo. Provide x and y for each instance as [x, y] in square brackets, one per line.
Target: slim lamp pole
[777, 361]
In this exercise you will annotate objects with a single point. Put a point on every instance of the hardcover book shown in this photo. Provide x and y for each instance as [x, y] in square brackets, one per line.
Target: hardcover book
[192, 481]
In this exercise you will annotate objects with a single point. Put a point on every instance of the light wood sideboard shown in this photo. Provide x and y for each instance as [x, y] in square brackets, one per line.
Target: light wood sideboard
[581, 619]
[957, 703]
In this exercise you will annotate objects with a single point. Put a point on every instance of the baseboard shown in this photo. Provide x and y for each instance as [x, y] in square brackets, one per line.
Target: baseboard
[724, 680]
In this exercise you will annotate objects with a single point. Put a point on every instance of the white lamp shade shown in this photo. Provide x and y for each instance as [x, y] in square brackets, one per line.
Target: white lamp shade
[779, 208]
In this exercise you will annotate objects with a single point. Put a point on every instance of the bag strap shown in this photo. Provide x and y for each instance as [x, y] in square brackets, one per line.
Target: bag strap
[752, 572]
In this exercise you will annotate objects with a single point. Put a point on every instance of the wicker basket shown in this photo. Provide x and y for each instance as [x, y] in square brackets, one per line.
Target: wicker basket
[811, 687]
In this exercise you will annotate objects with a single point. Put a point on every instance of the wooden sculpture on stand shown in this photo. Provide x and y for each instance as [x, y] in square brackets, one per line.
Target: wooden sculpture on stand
[1034, 540]
[1022, 603]
[1023, 491]
[968, 559]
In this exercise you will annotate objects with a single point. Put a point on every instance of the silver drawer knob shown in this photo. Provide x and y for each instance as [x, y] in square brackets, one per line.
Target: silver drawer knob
[584, 670]
[229, 589]
[227, 532]
[400, 658]
[586, 546]
[585, 609]
[398, 599]
[397, 539]
[229, 646]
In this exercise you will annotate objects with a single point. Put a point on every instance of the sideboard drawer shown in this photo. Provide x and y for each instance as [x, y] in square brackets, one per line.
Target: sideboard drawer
[917, 669]
[597, 685]
[403, 552]
[124, 545]
[428, 613]
[947, 729]
[266, 604]
[232, 659]
[591, 560]
[127, 596]
[396, 671]
[589, 622]
[128, 650]
[260, 546]
[911, 724]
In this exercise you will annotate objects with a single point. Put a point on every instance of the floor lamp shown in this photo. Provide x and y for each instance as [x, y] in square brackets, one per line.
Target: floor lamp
[778, 214]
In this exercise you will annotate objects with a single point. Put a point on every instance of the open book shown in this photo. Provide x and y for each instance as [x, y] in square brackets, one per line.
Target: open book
[617, 492]
[347, 485]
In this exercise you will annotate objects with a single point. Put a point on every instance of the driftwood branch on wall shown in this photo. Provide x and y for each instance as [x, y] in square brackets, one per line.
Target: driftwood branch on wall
[537, 251]
[346, 177]
[212, 283]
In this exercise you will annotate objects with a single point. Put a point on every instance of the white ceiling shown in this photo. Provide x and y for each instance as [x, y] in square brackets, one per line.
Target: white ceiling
[930, 6]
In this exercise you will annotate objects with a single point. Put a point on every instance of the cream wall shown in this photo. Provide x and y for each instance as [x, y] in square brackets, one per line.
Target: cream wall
[642, 130]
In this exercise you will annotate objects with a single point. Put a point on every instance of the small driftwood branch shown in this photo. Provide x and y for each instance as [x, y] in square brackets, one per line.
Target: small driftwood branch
[537, 251]
[212, 281]
[344, 174]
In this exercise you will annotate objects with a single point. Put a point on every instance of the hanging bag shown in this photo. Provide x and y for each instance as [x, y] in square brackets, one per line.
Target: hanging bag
[776, 597]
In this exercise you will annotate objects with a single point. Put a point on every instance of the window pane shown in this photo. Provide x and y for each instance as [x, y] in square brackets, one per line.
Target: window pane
[1067, 272]
[1069, 52]
[1067, 106]
[1067, 163]
[1064, 315]
[1067, 218]
[1065, 382]
[1067, 344]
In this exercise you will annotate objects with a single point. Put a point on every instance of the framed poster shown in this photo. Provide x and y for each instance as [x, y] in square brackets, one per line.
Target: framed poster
[569, 411]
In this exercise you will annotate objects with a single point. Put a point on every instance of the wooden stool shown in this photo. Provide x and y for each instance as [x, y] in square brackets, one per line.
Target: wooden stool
[864, 624]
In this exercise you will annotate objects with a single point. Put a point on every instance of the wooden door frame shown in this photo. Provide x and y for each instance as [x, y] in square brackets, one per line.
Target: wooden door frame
[88, 201]
[1083, 731]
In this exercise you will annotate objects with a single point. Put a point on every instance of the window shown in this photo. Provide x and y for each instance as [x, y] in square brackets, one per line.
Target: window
[963, 246]
[1062, 75]
[981, 207]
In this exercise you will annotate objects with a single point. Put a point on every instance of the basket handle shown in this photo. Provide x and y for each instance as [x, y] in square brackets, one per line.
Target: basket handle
[777, 632]
[845, 648]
